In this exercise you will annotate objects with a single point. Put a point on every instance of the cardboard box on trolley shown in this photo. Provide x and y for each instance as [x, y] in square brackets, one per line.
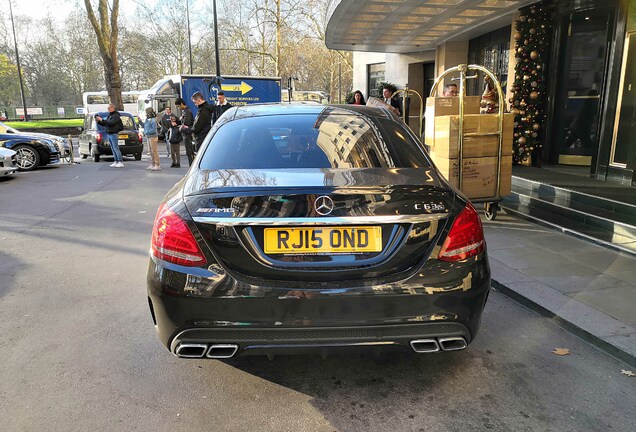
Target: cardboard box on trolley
[480, 135]
[444, 106]
[479, 175]
[480, 146]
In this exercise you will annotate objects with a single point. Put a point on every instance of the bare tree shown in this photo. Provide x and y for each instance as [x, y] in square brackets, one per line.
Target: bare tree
[107, 33]
[81, 62]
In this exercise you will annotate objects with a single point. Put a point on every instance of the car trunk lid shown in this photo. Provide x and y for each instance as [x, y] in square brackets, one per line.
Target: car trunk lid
[292, 225]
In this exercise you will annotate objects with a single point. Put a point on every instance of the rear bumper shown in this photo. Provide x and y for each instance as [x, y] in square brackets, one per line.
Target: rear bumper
[189, 309]
[282, 341]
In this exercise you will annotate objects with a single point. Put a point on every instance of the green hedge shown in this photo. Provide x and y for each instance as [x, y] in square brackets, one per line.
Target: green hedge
[40, 124]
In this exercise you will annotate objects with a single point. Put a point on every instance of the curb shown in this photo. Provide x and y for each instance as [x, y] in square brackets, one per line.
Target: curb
[622, 354]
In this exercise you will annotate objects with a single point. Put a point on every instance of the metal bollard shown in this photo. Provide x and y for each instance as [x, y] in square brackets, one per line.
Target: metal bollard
[70, 139]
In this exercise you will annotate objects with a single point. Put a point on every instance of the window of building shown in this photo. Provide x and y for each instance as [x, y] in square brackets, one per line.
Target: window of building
[490, 50]
[375, 75]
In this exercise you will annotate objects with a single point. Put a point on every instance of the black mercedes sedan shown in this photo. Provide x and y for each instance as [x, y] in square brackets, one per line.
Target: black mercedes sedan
[304, 228]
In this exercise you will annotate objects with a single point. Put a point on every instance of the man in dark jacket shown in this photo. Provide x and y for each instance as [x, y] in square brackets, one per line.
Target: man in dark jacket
[187, 120]
[221, 106]
[113, 125]
[203, 120]
[387, 94]
[165, 124]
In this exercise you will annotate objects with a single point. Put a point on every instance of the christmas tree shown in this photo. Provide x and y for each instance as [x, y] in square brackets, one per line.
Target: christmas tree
[532, 38]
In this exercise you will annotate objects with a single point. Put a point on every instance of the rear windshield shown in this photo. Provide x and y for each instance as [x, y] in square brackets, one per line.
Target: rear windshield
[312, 141]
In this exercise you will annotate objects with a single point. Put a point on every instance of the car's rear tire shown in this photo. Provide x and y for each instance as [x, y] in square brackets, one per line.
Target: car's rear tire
[27, 158]
[137, 156]
[83, 156]
[95, 155]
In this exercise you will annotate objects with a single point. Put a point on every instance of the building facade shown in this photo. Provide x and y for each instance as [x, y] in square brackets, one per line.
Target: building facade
[589, 69]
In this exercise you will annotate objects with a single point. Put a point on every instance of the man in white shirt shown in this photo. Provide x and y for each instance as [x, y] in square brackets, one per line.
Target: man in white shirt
[221, 106]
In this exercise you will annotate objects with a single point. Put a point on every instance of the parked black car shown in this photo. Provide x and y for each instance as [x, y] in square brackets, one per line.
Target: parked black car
[304, 227]
[93, 141]
[33, 149]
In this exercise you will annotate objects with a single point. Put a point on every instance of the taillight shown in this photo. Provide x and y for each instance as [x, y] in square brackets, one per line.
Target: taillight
[465, 238]
[140, 137]
[98, 137]
[173, 241]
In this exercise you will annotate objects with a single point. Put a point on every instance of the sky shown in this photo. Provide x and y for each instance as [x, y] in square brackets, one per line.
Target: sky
[59, 9]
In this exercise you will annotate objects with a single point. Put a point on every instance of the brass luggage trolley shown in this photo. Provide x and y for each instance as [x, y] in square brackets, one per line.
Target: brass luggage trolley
[491, 204]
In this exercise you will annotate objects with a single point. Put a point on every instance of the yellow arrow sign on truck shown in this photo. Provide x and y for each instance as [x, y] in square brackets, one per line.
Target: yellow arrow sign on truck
[243, 87]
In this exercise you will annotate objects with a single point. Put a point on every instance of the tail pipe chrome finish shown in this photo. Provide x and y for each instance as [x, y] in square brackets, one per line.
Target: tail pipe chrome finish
[222, 351]
[452, 343]
[188, 350]
[424, 345]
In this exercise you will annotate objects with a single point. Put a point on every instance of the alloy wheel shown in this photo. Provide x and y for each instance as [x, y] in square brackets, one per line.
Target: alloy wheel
[26, 158]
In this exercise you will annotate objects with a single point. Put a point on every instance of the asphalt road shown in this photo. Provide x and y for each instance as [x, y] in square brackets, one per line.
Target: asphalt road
[78, 350]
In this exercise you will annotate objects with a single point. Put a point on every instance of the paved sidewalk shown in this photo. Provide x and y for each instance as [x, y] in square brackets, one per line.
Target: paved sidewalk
[586, 288]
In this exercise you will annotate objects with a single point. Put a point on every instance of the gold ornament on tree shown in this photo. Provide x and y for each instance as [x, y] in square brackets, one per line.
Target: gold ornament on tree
[534, 55]
[534, 95]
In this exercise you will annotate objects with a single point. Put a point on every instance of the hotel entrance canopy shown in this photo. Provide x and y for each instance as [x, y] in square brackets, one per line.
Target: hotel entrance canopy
[401, 26]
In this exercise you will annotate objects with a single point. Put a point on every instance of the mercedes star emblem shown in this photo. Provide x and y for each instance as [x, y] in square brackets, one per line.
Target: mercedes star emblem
[324, 205]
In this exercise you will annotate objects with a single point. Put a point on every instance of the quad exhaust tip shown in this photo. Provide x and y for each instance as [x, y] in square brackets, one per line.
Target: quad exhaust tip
[454, 343]
[222, 351]
[213, 351]
[191, 350]
[425, 345]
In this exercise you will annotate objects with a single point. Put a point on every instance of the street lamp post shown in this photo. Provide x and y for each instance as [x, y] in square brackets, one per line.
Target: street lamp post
[216, 43]
[17, 59]
[189, 41]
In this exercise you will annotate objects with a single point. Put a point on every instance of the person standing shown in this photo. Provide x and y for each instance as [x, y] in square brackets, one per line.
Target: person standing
[187, 120]
[203, 120]
[387, 93]
[113, 126]
[221, 106]
[151, 131]
[450, 90]
[174, 137]
[358, 98]
[165, 124]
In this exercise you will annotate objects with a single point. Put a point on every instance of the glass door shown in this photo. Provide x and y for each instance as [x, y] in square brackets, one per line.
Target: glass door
[625, 128]
[583, 59]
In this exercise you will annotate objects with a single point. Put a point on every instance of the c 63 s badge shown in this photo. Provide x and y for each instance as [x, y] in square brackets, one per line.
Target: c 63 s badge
[430, 207]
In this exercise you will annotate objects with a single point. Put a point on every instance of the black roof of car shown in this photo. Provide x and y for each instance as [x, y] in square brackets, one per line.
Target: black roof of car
[286, 108]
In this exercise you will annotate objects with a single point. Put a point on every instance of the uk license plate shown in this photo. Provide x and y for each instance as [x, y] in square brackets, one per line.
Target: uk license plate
[121, 142]
[323, 240]
[123, 135]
